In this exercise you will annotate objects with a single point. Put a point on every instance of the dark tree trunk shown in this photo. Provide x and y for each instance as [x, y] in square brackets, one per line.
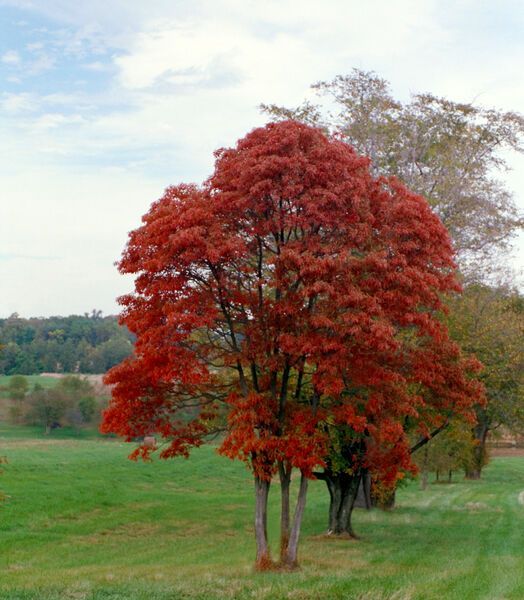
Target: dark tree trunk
[263, 560]
[285, 520]
[363, 499]
[335, 498]
[343, 487]
[343, 490]
[480, 433]
[291, 554]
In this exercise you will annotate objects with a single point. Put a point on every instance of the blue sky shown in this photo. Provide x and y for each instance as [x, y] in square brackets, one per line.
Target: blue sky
[102, 105]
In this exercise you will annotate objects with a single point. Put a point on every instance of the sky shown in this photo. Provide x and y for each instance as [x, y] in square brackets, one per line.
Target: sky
[103, 104]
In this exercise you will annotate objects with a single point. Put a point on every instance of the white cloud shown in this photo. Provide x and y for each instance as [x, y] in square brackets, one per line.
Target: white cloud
[54, 120]
[96, 66]
[273, 40]
[11, 57]
[16, 103]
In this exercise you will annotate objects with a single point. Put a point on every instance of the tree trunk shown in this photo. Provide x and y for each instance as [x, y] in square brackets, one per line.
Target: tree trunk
[285, 520]
[290, 557]
[348, 503]
[364, 499]
[480, 433]
[263, 560]
[343, 491]
[335, 499]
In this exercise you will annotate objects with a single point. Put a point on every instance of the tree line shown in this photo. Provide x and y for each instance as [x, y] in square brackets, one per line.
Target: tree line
[89, 343]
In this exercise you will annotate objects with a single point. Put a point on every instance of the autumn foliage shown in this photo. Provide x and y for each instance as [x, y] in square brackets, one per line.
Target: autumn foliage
[292, 293]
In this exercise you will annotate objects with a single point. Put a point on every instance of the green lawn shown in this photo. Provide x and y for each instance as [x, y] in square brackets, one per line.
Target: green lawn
[83, 522]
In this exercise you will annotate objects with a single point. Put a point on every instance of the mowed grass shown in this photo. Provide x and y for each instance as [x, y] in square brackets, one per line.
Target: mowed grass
[83, 522]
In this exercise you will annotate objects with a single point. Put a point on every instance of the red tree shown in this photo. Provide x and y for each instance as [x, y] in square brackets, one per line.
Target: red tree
[286, 289]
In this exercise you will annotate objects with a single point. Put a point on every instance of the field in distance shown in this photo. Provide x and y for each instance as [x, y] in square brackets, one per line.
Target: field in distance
[44, 380]
[81, 521]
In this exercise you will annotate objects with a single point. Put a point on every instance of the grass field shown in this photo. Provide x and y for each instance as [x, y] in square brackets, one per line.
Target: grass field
[83, 522]
[43, 380]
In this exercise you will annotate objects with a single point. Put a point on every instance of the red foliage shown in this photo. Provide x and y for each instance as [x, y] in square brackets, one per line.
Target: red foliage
[292, 288]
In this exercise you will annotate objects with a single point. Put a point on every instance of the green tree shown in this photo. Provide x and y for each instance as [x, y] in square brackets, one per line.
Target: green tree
[87, 408]
[48, 408]
[489, 322]
[450, 451]
[80, 396]
[17, 387]
[75, 387]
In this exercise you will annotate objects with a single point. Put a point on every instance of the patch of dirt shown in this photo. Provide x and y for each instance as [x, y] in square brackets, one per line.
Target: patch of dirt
[233, 506]
[131, 531]
[331, 536]
[476, 506]
[40, 444]
[506, 452]
[14, 567]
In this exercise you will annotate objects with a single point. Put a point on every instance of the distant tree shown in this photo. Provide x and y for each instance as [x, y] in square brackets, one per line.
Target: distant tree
[14, 360]
[47, 408]
[451, 450]
[449, 152]
[80, 396]
[75, 387]
[489, 322]
[87, 407]
[17, 387]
